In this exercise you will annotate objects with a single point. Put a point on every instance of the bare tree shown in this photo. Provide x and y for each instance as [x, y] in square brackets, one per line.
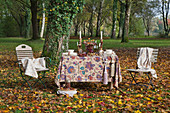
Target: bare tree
[43, 21]
[34, 11]
[126, 21]
[148, 12]
[165, 11]
[99, 18]
[113, 33]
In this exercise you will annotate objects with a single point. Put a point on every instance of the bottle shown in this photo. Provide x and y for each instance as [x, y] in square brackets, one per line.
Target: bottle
[105, 81]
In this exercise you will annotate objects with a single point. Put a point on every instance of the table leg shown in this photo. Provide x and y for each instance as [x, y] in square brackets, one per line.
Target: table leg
[111, 84]
[68, 85]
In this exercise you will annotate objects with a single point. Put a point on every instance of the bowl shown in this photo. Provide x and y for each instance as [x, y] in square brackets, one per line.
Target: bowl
[71, 50]
[73, 54]
[65, 54]
[109, 51]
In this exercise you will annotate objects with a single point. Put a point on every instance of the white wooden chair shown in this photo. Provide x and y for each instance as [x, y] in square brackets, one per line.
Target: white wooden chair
[133, 72]
[24, 51]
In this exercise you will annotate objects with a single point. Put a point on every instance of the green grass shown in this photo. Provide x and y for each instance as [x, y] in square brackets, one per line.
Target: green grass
[8, 44]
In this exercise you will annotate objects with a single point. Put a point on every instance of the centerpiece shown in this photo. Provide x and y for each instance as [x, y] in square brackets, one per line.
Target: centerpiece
[91, 47]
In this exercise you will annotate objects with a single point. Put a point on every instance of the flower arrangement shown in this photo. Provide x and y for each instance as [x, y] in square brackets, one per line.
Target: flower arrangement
[90, 44]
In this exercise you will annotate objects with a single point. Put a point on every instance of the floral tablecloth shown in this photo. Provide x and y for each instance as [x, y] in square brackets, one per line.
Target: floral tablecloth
[88, 69]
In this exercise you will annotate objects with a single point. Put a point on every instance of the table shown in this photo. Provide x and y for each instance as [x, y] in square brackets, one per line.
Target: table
[88, 69]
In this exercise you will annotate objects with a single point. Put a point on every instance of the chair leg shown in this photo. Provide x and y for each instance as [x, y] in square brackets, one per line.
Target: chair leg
[39, 79]
[21, 72]
[150, 79]
[133, 79]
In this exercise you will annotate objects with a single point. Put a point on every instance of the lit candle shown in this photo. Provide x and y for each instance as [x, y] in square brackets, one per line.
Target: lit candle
[80, 34]
[101, 35]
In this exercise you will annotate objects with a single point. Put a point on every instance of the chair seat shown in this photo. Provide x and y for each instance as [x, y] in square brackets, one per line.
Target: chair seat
[42, 69]
[140, 70]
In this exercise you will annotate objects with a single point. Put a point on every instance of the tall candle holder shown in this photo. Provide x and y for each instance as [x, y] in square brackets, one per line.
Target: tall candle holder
[101, 47]
[101, 44]
[80, 51]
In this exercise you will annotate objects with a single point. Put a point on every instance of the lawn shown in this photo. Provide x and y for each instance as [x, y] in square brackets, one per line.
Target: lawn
[89, 98]
[37, 45]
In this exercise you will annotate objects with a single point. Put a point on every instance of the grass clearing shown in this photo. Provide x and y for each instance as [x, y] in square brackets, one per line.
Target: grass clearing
[9, 44]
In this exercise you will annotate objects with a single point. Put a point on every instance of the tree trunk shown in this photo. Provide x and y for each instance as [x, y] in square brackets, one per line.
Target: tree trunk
[22, 27]
[50, 47]
[76, 26]
[76, 30]
[43, 22]
[147, 25]
[84, 27]
[126, 21]
[34, 19]
[91, 24]
[121, 22]
[114, 19]
[91, 21]
[58, 26]
[99, 18]
[127, 15]
[165, 7]
[27, 21]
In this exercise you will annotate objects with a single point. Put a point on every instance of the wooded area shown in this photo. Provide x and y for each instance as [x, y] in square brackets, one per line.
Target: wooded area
[23, 17]
[57, 20]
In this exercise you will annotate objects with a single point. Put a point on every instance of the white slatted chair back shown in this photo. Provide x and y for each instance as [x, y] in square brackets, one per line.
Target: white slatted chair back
[154, 55]
[24, 51]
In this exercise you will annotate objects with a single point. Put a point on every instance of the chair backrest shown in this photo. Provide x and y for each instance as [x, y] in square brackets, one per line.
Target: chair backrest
[24, 51]
[154, 55]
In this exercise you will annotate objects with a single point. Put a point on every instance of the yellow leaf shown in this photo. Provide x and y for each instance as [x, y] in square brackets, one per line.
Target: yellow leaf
[112, 101]
[69, 103]
[89, 105]
[159, 98]
[80, 102]
[148, 98]
[94, 111]
[117, 92]
[74, 106]
[63, 109]
[119, 101]
[84, 103]
[81, 94]
[137, 111]
[5, 111]
[149, 102]
[78, 106]
[76, 96]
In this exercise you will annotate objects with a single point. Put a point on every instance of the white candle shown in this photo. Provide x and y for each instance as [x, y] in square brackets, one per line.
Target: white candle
[77, 43]
[80, 34]
[101, 35]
